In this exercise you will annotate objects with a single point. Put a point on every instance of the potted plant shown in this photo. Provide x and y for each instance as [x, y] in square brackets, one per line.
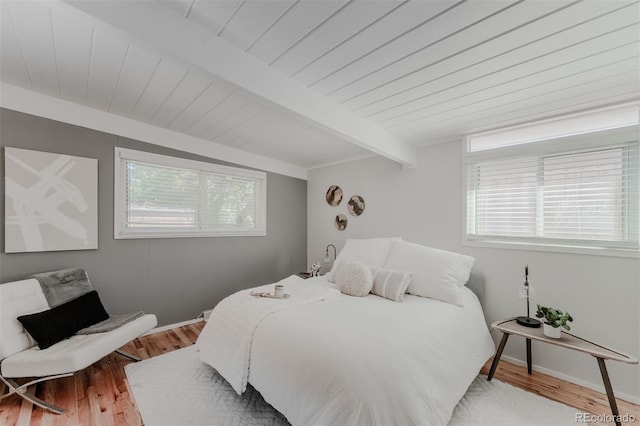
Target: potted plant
[553, 320]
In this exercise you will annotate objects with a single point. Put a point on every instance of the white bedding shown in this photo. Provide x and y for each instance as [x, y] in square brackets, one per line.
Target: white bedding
[369, 360]
[225, 342]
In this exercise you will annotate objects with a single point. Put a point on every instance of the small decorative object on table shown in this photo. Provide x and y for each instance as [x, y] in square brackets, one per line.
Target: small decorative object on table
[315, 269]
[269, 295]
[553, 320]
[527, 321]
[279, 290]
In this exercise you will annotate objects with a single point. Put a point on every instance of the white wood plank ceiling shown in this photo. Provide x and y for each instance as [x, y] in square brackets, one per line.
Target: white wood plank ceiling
[399, 73]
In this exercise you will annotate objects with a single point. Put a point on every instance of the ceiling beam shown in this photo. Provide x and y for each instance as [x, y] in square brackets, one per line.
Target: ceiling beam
[179, 39]
[34, 103]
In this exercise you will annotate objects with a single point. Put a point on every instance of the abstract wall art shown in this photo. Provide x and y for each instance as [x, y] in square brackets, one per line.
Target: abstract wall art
[51, 202]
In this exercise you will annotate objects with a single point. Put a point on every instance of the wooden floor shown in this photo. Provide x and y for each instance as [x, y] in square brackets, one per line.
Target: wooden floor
[99, 394]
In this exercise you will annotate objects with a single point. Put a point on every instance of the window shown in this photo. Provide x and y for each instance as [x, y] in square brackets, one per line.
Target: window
[575, 191]
[157, 196]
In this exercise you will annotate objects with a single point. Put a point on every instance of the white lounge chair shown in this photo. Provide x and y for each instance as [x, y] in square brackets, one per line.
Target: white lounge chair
[21, 357]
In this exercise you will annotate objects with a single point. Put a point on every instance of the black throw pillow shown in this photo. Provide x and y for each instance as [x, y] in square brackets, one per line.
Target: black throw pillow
[59, 323]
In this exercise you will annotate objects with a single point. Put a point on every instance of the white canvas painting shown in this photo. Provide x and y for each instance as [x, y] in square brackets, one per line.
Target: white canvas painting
[51, 201]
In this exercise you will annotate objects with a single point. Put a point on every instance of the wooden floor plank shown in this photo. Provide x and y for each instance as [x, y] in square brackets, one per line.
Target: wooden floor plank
[559, 390]
[24, 417]
[64, 395]
[8, 415]
[101, 395]
[81, 383]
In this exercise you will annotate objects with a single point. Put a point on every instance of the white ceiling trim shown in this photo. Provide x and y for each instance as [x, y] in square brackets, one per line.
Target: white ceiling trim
[27, 101]
[198, 48]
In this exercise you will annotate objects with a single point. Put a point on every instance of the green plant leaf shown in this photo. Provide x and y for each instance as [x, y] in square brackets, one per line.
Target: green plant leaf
[554, 317]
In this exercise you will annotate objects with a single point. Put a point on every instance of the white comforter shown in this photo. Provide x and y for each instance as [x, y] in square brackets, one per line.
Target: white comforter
[225, 342]
[352, 360]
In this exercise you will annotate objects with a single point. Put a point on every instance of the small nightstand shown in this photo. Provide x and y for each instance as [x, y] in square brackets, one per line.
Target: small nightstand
[569, 341]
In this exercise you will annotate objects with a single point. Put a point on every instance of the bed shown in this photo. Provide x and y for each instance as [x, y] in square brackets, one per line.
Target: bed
[334, 359]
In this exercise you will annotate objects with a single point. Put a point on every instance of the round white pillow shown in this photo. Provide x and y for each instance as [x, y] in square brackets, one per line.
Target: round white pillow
[355, 279]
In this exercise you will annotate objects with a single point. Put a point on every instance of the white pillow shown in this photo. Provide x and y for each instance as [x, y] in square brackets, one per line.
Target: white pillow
[370, 251]
[391, 284]
[355, 279]
[438, 274]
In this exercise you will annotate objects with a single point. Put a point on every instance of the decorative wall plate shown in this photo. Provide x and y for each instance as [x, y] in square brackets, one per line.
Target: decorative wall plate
[341, 222]
[334, 195]
[356, 205]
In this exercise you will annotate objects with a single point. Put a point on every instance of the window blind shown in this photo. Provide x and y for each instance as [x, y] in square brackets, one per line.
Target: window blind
[615, 117]
[159, 196]
[583, 197]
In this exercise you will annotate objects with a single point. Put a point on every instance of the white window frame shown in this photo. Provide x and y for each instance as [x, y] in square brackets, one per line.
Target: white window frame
[580, 142]
[120, 230]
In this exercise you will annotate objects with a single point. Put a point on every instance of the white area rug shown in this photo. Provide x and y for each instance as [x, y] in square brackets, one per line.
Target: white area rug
[178, 389]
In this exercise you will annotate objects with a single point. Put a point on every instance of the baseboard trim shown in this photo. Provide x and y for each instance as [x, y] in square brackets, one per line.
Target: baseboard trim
[593, 386]
[172, 326]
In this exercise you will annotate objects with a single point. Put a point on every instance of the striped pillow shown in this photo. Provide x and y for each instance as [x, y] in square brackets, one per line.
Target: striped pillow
[391, 284]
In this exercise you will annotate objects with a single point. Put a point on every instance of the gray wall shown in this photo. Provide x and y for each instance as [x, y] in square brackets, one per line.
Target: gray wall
[174, 278]
[424, 205]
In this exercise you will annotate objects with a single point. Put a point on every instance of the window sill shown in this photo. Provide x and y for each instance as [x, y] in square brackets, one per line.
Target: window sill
[552, 248]
[156, 234]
